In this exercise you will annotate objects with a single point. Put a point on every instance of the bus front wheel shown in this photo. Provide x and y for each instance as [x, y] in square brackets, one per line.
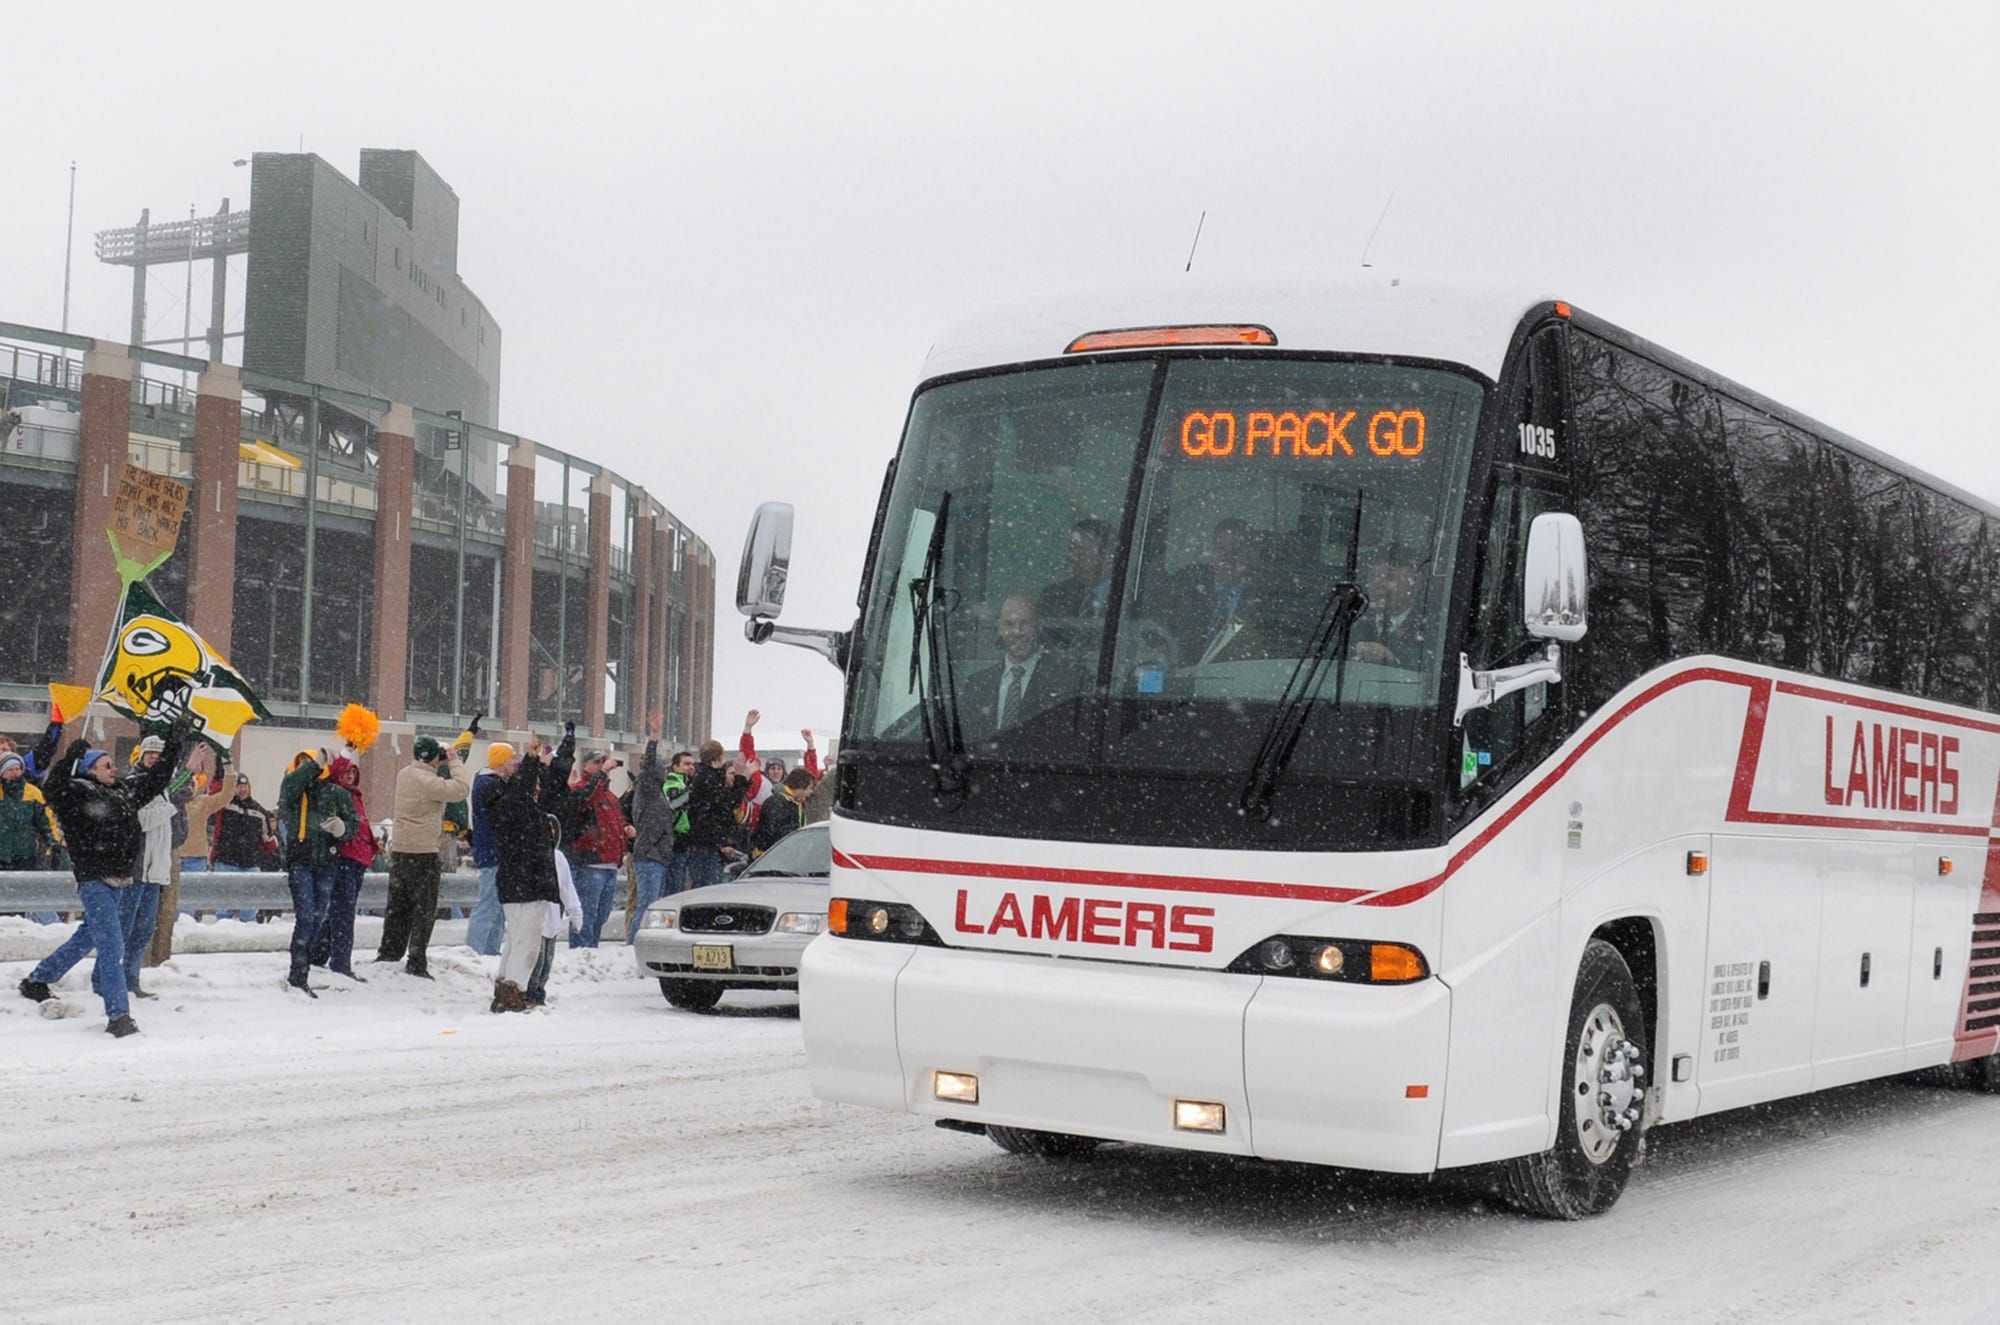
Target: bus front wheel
[1048, 1145]
[1603, 1098]
[1984, 1074]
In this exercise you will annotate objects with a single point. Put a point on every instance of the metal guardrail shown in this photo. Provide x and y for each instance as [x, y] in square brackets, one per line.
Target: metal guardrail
[213, 891]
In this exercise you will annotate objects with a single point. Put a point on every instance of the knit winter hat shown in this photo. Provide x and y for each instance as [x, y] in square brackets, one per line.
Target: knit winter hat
[426, 749]
[90, 758]
[497, 754]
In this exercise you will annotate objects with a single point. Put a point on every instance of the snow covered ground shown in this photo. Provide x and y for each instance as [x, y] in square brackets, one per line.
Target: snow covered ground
[394, 1152]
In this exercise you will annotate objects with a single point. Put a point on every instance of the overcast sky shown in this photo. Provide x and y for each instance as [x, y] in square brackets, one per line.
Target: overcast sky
[720, 238]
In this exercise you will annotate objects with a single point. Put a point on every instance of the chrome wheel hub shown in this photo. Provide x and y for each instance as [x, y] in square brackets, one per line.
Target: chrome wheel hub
[1608, 1084]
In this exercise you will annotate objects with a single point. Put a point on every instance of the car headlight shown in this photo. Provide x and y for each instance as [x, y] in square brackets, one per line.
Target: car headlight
[658, 919]
[802, 922]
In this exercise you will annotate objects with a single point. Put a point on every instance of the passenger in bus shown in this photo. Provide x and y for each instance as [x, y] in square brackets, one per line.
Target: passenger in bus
[1203, 599]
[1074, 607]
[1028, 678]
[1390, 630]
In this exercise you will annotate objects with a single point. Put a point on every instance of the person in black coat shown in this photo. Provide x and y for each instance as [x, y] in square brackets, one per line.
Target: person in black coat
[99, 817]
[521, 791]
[711, 809]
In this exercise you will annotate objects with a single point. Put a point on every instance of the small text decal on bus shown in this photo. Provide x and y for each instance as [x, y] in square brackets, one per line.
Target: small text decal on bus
[1103, 920]
[1538, 440]
[1389, 433]
[1892, 768]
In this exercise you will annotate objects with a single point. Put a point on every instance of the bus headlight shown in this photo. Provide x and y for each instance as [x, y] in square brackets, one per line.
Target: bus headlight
[882, 922]
[1353, 961]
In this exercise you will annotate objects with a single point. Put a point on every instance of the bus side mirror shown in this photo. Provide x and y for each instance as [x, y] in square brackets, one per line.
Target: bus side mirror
[767, 554]
[1555, 581]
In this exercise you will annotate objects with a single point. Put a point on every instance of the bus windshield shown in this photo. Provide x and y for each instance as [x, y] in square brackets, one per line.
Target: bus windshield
[1140, 552]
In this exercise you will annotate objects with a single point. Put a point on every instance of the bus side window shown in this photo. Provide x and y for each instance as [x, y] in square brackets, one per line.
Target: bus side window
[1498, 637]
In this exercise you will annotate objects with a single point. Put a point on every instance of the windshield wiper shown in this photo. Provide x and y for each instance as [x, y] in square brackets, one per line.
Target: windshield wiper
[1343, 605]
[930, 666]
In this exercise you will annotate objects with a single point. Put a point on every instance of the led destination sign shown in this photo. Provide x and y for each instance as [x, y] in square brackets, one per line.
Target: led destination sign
[1261, 434]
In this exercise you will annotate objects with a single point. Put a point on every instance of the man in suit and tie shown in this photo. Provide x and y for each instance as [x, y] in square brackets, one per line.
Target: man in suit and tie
[1391, 631]
[1080, 600]
[1027, 680]
[1205, 598]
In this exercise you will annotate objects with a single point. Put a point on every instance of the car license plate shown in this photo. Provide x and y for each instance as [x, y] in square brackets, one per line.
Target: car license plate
[714, 957]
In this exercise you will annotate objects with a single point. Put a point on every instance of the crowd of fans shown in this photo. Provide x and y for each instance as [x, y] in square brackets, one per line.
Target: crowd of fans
[549, 836]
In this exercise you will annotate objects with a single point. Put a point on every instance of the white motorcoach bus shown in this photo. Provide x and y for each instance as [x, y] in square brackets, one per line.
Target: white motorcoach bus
[1229, 762]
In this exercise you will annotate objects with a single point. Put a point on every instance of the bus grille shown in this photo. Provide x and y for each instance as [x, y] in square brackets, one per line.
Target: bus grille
[727, 919]
[1982, 991]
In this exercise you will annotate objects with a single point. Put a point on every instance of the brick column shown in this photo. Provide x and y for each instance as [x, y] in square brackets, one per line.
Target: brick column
[690, 644]
[218, 435]
[598, 618]
[517, 587]
[104, 436]
[395, 499]
[639, 621]
[661, 551]
[704, 657]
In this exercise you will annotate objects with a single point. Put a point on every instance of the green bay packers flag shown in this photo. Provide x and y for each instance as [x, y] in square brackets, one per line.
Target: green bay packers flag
[158, 669]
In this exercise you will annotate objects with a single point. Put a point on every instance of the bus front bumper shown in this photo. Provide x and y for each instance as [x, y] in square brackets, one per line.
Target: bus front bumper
[1305, 1070]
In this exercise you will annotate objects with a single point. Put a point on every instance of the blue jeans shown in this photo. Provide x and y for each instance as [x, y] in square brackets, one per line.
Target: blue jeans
[651, 877]
[595, 887]
[105, 910]
[333, 945]
[142, 912]
[704, 867]
[193, 865]
[488, 924]
[677, 874]
[234, 915]
[312, 891]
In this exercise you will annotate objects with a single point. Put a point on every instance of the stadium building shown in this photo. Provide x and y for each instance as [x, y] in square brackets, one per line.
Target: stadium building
[359, 530]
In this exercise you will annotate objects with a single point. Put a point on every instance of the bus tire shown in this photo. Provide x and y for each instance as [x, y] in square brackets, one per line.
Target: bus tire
[1045, 1145]
[1603, 1099]
[691, 995]
[1983, 1074]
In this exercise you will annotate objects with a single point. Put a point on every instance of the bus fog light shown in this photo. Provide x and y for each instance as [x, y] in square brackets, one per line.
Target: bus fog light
[955, 1087]
[1200, 1116]
[1330, 959]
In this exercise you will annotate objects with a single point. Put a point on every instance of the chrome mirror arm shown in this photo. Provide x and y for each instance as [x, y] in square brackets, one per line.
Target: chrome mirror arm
[1478, 690]
[831, 645]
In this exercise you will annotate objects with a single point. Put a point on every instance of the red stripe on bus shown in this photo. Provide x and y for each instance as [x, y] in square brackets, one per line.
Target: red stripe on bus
[1885, 706]
[1749, 749]
[1424, 887]
[1100, 878]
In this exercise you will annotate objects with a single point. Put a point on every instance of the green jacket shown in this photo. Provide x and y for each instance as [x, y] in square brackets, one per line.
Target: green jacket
[24, 822]
[304, 800]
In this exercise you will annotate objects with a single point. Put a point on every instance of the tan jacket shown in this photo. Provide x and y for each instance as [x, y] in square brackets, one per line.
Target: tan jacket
[421, 796]
[199, 811]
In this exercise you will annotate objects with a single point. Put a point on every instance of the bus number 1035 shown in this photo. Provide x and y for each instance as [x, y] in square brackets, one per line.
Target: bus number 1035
[1538, 440]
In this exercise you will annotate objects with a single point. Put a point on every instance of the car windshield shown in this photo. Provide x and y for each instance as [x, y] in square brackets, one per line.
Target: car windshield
[805, 854]
[1141, 551]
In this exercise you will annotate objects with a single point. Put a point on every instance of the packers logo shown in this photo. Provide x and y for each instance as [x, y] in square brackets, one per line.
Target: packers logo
[152, 652]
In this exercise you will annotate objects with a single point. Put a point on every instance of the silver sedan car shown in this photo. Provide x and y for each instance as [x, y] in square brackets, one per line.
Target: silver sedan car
[744, 934]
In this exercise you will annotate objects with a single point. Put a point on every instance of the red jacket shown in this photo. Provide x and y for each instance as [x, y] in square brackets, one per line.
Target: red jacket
[601, 841]
[359, 844]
